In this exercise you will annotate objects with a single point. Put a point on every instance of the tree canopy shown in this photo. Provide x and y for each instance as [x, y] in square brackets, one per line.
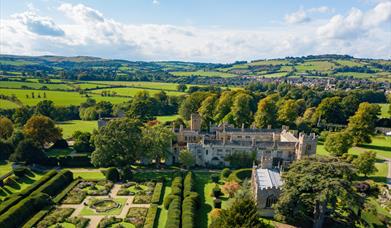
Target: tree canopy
[42, 130]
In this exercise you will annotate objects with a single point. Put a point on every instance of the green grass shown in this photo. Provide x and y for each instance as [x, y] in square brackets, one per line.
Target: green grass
[162, 212]
[20, 184]
[146, 85]
[5, 104]
[98, 175]
[124, 224]
[63, 224]
[18, 85]
[349, 63]
[164, 119]
[268, 62]
[59, 98]
[88, 211]
[384, 110]
[381, 145]
[127, 91]
[17, 62]
[203, 74]
[356, 74]
[274, 75]
[315, 66]
[69, 127]
[5, 167]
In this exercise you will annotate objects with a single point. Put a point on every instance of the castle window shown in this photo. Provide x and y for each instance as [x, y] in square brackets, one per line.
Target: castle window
[247, 136]
[206, 152]
[239, 136]
[270, 200]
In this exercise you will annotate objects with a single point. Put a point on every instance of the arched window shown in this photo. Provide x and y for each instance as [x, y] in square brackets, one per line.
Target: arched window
[270, 200]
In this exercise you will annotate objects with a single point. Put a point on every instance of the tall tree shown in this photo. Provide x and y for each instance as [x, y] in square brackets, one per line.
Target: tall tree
[223, 106]
[241, 110]
[206, 110]
[338, 143]
[267, 112]
[22, 114]
[330, 110]
[192, 103]
[288, 112]
[186, 158]
[42, 130]
[156, 141]
[310, 192]
[142, 107]
[28, 151]
[362, 125]
[365, 163]
[6, 127]
[117, 143]
[46, 108]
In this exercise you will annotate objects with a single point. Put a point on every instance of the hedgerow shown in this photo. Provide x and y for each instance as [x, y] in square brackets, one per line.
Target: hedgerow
[57, 183]
[188, 184]
[174, 214]
[150, 220]
[60, 196]
[157, 193]
[17, 215]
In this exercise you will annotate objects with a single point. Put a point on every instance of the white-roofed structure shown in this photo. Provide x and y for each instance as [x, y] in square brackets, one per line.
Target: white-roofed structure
[266, 185]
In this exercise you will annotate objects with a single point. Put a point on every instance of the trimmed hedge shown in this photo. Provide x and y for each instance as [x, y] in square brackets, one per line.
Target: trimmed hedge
[174, 214]
[15, 198]
[188, 184]
[37, 217]
[60, 196]
[18, 214]
[176, 186]
[112, 174]
[157, 192]
[189, 208]
[150, 220]
[240, 175]
[70, 161]
[57, 183]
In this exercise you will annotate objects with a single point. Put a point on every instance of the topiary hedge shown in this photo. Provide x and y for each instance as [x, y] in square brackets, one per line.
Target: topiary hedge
[15, 198]
[157, 192]
[240, 175]
[176, 186]
[57, 183]
[37, 217]
[63, 193]
[188, 184]
[174, 214]
[150, 220]
[17, 215]
[189, 208]
[112, 174]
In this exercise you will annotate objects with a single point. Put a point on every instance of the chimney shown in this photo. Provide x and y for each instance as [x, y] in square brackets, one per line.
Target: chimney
[242, 127]
[269, 126]
[253, 141]
[181, 128]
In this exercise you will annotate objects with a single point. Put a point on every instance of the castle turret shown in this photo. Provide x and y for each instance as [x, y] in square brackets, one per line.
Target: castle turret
[307, 145]
[195, 122]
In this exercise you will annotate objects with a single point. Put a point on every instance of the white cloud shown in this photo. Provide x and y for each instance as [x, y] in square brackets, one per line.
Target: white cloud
[38, 25]
[357, 23]
[303, 15]
[156, 2]
[91, 33]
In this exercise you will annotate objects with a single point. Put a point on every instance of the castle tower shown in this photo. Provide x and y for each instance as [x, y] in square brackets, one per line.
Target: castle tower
[195, 122]
[307, 145]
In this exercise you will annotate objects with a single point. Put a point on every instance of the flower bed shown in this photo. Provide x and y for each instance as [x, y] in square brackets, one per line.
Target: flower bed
[55, 216]
[133, 188]
[84, 188]
[103, 205]
[136, 216]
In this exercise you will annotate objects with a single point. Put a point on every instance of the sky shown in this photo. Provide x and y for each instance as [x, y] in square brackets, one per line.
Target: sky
[196, 30]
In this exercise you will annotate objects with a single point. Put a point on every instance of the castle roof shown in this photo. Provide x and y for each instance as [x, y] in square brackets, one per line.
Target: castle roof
[268, 178]
[249, 143]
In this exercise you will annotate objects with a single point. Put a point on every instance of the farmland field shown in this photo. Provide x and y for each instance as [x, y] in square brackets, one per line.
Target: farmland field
[7, 104]
[268, 62]
[133, 91]
[315, 65]
[69, 127]
[203, 73]
[384, 110]
[18, 85]
[146, 85]
[58, 97]
[167, 118]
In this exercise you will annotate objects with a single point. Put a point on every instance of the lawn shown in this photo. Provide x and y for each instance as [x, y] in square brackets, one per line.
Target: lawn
[60, 98]
[384, 110]
[164, 119]
[19, 184]
[88, 211]
[381, 145]
[128, 91]
[144, 85]
[203, 73]
[5, 167]
[95, 174]
[274, 75]
[272, 62]
[5, 104]
[315, 66]
[69, 127]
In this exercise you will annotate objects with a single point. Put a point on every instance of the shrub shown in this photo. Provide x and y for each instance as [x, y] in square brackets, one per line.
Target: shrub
[217, 203]
[18, 214]
[150, 220]
[188, 184]
[231, 188]
[10, 181]
[215, 213]
[112, 174]
[215, 178]
[168, 199]
[240, 175]
[174, 214]
[126, 174]
[216, 191]
[176, 186]
[60, 144]
[142, 199]
[57, 183]
[37, 217]
[108, 221]
[79, 222]
[20, 171]
[65, 192]
[157, 193]
[225, 173]
[55, 216]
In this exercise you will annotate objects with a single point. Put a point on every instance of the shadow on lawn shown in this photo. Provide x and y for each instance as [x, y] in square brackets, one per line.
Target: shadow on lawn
[374, 147]
[202, 214]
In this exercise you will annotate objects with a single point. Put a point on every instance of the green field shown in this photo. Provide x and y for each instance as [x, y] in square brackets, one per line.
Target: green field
[133, 91]
[69, 127]
[268, 62]
[349, 63]
[59, 98]
[34, 85]
[274, 75]
[315, 66]
[7, 104]
[146, 85]
[5, 167]
[19, 184]
[167, 118]
[203, 73]
[356, 74]
[88, 174]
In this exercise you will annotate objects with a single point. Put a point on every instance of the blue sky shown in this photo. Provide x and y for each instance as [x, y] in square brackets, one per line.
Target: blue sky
[202, 30]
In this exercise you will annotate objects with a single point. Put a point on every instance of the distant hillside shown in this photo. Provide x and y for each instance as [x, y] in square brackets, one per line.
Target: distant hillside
[90, 68]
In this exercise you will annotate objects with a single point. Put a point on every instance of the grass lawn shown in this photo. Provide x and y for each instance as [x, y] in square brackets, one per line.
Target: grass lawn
[164, 119]
[88, 175]
[59, 98]
[18, 85]
[372, 215]
[69, 127]
[384, 110]
[381, 145]
[5, 104]
[88, 211]
[19, 184]
[145, 85]
[5, 167]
